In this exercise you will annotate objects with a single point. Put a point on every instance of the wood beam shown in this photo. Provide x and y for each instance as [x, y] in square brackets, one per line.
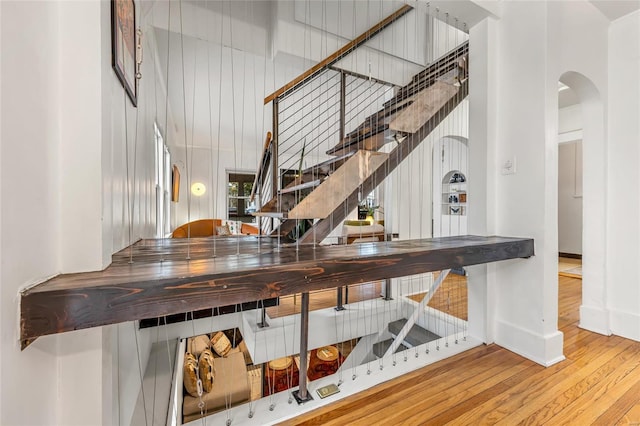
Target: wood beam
[128, 292]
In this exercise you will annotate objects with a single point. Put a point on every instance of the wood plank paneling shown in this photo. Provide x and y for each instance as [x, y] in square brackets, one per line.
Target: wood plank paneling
[146, 289]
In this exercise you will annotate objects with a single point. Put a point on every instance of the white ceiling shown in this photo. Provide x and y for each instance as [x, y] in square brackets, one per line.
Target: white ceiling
[614, 9]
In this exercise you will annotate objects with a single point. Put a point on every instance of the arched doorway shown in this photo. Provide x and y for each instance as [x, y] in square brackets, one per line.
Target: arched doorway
[593, 309]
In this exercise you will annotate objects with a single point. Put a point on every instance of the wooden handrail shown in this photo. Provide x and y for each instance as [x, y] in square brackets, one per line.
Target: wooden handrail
[340, 53]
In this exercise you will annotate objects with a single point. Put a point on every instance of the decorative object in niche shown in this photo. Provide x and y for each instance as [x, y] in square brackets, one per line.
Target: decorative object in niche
[457, 178]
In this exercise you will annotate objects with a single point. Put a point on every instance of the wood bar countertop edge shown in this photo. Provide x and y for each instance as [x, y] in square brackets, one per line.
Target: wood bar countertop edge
[127, 292]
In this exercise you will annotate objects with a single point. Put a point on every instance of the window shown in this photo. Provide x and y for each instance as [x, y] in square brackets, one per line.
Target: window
[163, 184]
[239, 206]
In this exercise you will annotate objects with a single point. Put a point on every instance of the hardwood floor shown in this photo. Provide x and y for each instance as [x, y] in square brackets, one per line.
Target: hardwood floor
[570, 267]
[598, 383]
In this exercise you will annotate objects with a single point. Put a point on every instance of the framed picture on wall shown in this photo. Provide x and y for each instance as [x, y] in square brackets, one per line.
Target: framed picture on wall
[123, 45]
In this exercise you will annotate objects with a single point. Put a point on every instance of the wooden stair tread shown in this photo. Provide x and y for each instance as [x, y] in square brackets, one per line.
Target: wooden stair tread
[328, 166]
[324, 227]
[370, 140]
[301, 186]
[426, 104]
[277, 215]
[334, 189]
[379, 121]
[428, 76]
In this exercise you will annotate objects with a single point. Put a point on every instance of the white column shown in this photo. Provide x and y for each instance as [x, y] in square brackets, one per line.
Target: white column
[482, 171]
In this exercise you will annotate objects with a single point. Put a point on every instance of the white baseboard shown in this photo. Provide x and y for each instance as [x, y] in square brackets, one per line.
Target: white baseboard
[595, 319]
[625, 324]
[544, 350]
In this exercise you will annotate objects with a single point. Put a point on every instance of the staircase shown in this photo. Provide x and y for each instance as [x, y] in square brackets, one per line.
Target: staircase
[323, 194]
[416, 337]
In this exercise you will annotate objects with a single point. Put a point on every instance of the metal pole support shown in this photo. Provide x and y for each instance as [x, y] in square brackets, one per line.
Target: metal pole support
[339, 305]
[387, 289]
[302, 394]
[263, 323]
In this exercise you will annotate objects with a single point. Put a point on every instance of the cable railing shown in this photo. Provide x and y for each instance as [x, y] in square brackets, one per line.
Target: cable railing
[310, 115]
[312, 120]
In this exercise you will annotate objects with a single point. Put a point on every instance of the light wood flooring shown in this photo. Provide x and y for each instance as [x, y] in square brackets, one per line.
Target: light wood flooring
[598, 383]
[569, 267]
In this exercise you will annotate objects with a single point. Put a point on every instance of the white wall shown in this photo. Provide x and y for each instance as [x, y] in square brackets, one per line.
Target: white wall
[29, 186]
[483, 166]
[128, 149]
[555, 38]
[583, 39]
[221, 121]
[63, 141]
[525, 300]
[623, 187]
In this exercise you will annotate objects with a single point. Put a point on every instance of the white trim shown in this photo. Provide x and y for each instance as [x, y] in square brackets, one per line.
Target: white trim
[571, 136]
[544, 350]
[595, 319]
[625, 324]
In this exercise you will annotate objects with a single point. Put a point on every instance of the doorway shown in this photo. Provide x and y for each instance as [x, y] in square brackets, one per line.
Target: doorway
[569, 183]
[582, 137]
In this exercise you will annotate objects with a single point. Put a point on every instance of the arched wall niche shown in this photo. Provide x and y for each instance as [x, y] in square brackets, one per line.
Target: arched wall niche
[450, 155]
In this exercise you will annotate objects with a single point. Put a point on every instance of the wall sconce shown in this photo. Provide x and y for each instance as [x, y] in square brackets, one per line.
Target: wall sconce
[198, 189]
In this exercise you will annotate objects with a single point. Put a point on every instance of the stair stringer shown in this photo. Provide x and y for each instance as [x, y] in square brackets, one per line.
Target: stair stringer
[324, 227]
